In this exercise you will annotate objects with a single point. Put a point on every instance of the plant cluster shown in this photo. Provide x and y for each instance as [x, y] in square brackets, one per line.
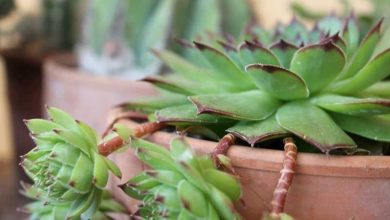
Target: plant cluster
[318, 85]
[309, 83]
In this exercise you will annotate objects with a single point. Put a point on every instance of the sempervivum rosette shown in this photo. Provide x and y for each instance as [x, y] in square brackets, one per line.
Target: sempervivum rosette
[181, 185]
[40, 210]
[65, 165]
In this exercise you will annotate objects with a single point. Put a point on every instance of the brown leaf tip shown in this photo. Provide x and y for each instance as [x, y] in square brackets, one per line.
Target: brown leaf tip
[283, 45]
[253, 45]
[186, 204]
[201, 46]
[72, 183]
[266, 68]
[183, 43]
[228, 47]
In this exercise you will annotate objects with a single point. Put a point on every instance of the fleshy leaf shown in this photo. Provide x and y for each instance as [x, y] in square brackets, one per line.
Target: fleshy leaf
[256, 131]
[363, 53]
[285, 52]
[313, 125]
[353, 106]
[318, 64]
[178, 84]
[351, 34]
[225, 67]
[186, 114]
[379, 89]
[278, 82]
[376, 70]
[255, 53]
[153, 103]
[184, 68]
[330, 24]
[251, 105]
[375, 127]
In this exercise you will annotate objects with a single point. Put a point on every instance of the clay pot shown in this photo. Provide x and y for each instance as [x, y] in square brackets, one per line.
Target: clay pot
[84, 95]
[325, 187]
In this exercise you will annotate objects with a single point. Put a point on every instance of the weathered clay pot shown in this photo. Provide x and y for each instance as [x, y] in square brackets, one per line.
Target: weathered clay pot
[325, 187]
[84, 95]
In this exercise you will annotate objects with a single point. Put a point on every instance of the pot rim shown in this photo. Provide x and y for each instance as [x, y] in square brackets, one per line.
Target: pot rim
[65, 65]
[271, 160]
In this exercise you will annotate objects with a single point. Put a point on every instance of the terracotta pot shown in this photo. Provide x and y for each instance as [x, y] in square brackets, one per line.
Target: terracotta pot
[84, 95]
[325, 187]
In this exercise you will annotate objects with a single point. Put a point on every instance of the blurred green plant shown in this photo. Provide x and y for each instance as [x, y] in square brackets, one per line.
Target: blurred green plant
[119, 27]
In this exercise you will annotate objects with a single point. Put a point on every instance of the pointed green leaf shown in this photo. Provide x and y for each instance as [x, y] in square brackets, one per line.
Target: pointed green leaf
[254, 53]
[313, 125]
[100, 171]
[167, 177]
[336, 40]
[152, 103]
[37, 126]
[284, 51]
[330, 24]
[251, 105]
[352, 106]
[256, 131]
[278, 82]
[113, 167]
[377, 69]
[184, 68]
[89, 132]
[295, 32]
[373, 127]
[363, 53]
[319, 61]
[232, 53]
[75, 140]
[82, 174]
[225, 67]
[65, 154]
[379, 89]
[225, 182]
[62, 118]
[187, 114]
[192, 199]
[223, 205]
[351, 34]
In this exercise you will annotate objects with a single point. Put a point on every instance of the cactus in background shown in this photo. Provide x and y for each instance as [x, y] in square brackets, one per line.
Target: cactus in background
[59, 21]
[119, 31]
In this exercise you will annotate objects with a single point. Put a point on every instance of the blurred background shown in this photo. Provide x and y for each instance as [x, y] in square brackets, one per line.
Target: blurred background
[84, 55]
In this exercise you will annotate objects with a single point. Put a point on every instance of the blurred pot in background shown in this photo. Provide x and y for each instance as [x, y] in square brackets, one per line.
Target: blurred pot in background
[114, 50]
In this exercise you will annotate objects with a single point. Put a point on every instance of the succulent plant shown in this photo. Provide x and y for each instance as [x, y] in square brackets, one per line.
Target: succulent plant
[259, 91]
[65, 165]
[181, 185]
[40, 210]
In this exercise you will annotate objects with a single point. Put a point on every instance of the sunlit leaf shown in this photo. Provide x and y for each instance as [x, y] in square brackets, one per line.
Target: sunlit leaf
[313, 125]
[353, 106]
[278, 82]
[318, 64]
[251, 105]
